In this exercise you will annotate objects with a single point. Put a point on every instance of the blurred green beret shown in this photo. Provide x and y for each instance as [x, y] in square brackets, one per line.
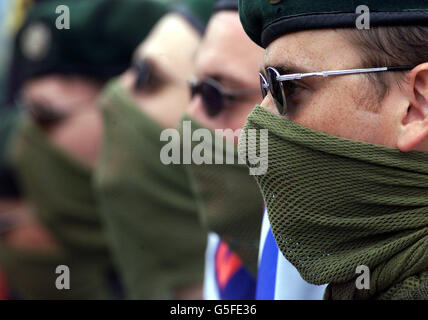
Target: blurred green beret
[99, 43]
[197, 12]
[266, 20]
[8, 184]
[226, 5]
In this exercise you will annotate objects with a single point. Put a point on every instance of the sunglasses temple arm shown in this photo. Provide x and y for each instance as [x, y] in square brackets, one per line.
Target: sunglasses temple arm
[298, 76]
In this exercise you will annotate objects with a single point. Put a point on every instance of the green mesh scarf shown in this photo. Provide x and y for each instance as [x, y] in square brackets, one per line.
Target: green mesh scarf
[230, 203]
[335, 204]
[149, 208]
[60, 191]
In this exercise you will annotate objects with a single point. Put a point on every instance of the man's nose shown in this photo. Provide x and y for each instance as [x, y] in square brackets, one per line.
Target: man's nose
[196, 106]
[269, 105]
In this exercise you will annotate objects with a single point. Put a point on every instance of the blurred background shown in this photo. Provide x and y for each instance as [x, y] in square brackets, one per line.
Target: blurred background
[82, 187]
[51, 83]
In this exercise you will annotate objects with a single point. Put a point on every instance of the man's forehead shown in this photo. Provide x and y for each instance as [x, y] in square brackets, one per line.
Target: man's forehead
[311, 51]
[161, 45]
[226, 49]
[222, 38]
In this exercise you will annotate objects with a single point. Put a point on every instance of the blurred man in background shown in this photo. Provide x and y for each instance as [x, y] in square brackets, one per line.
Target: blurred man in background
[231, 205]
[223, 92]
[148, 207]
[57, 76]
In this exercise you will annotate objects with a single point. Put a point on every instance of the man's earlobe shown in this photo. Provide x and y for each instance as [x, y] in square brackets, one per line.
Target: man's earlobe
[415, 120]
[413, 134]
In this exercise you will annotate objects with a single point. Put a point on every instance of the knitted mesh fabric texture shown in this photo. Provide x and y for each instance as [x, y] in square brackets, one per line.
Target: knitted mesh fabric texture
[413, 288]
[335, 204]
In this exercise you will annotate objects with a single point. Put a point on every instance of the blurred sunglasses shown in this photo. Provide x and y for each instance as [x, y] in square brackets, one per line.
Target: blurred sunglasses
[276, 84]
[41, 112]
[214, 96]
[144, 73]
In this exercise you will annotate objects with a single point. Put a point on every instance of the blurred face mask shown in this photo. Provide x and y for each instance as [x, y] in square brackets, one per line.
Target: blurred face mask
[60, 190]
[149, 208]
[230, 203]
[336, 204]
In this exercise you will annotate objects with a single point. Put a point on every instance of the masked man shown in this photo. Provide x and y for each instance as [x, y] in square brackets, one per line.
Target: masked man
[346, 112]
[224, 91]
[148, 208]
[230, 205]
[58, 250]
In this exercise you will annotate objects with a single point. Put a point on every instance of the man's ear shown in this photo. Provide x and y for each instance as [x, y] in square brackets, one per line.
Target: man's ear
[415, 120]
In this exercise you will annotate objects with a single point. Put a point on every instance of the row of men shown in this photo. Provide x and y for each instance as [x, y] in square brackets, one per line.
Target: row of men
[87, 189]
[345, 186]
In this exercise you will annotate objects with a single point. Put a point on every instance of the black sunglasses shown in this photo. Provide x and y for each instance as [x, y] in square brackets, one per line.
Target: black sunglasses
[42, 113]
[279, 85]
[214, 96]
[144, 73]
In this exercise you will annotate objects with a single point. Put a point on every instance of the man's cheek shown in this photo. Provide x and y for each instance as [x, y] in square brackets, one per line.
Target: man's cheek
[322, 113]
[238, 115]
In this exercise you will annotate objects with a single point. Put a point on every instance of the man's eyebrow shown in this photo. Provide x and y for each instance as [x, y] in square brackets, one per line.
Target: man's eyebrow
[287, 68]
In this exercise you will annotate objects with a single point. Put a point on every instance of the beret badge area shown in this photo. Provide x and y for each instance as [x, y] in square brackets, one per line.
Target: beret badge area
[35, 42]
[274, 1]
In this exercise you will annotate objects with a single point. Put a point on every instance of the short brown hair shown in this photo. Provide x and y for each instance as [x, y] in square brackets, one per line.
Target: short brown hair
[390, 46]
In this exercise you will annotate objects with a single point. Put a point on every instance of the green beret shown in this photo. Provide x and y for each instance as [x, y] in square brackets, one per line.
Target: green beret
[99, 42]
[197, 12]
[266, 20]
[226, 5]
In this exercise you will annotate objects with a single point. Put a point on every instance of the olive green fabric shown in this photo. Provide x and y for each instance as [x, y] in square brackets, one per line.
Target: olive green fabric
[60, 188]
[266, 20]
[335, 204]
[149, 209]
[60, 191]
[413, 288]
[230, 202]
[100, 42]
[32, 275]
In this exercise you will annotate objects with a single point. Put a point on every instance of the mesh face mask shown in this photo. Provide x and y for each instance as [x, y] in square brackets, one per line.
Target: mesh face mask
[335, 204]
[60, 191]
[148, 207]
[230, 203]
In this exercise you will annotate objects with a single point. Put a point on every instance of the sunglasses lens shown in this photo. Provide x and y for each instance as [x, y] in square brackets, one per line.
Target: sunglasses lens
[213, 99]
[263, 85]
[276, 90]
[144, 73]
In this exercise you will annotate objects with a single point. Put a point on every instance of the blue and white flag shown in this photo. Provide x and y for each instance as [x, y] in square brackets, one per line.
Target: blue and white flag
[277, 278]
